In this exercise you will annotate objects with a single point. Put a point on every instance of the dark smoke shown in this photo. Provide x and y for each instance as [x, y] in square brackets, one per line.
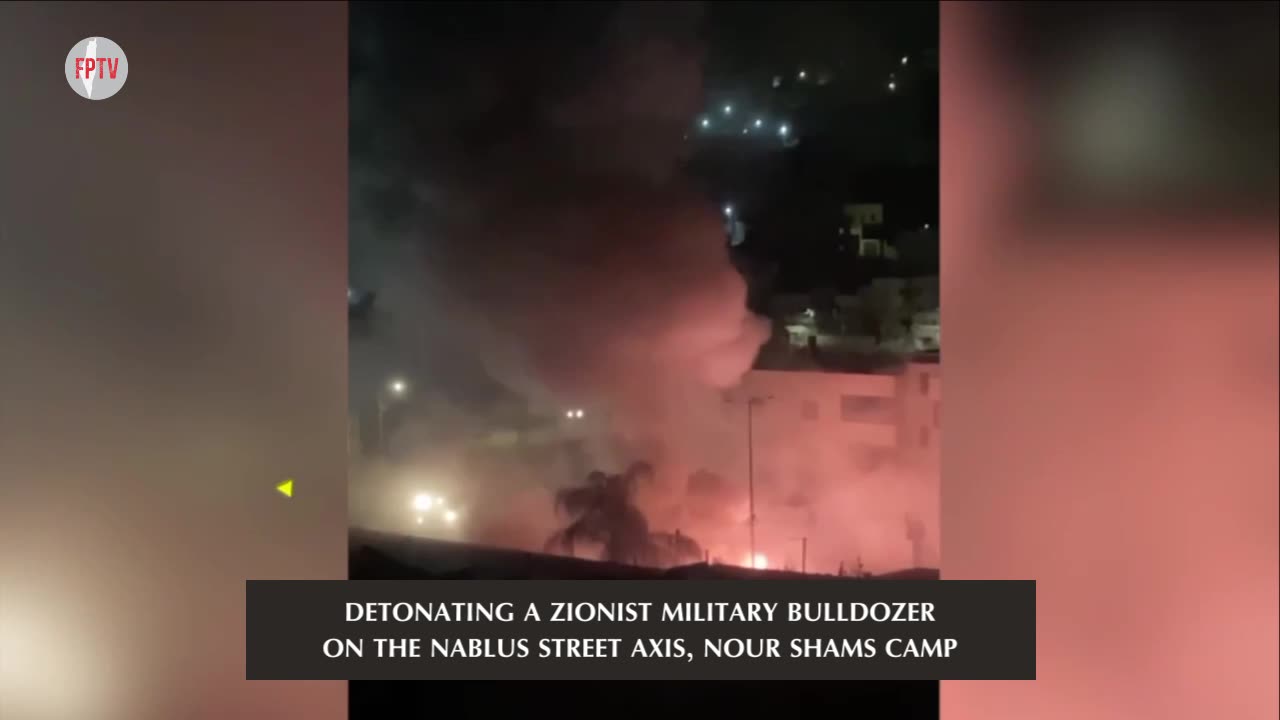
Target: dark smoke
[517, 206]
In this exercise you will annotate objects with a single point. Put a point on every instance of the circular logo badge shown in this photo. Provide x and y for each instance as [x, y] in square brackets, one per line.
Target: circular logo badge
[96, 68]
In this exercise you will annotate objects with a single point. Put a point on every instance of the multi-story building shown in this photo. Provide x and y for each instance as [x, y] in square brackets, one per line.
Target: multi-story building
[848, 460]
[866, 231]
[847, 421]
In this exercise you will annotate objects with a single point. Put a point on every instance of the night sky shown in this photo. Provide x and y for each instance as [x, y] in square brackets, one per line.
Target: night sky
[539, 209]
[447, 93]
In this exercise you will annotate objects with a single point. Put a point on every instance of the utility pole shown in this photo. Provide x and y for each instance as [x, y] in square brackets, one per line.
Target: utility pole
[804, 553]
[752, 402]
[751, 485]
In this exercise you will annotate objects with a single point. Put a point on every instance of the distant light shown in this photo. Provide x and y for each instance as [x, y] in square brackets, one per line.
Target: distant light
[802, 75]
[568, 413]
[351, 294]
[777, 81]
[760, 561]
[809, 312]
[423, 502]
[398, 387]
[419, 519]
[784, 130]
[759, 122]
[728, 211]
[581, 414]
[746, 130]
[450, 517]
[926, 226]
[892, 86]
[728, 109]
[705, 122]
[904, 59]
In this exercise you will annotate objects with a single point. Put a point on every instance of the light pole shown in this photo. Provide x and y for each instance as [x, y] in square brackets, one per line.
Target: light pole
[396, 389]
[804, 554]
[752, 402]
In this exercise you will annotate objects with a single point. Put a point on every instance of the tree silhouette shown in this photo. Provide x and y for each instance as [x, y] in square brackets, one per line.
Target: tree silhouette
[603, 511]
[675, 548]
[880, 311]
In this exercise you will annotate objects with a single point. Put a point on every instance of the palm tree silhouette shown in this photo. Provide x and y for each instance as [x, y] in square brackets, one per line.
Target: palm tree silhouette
[603, 511]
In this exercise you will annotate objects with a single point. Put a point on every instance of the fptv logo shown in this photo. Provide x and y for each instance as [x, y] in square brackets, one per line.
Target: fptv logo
[96, 68]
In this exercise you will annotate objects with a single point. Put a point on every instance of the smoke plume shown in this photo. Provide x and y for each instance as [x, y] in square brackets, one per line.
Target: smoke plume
[518, 205]
[529, 235]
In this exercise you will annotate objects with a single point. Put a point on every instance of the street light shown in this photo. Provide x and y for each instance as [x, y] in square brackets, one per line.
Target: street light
[892, 86]
[397, 389]
[804, 553]
[784, 130]
[705, 123]
[752, 403]
[759, 122]
[728, 211]
[728, 109]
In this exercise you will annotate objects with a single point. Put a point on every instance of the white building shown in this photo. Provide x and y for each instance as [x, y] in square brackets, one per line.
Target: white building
[865, 229]
[845, 419]
[863, 448]
[926, 331]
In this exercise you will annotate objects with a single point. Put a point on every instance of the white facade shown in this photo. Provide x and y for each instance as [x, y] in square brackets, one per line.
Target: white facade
[862, 449]
[862, 218]
[921, 421]
[926, 331]
[828, 418]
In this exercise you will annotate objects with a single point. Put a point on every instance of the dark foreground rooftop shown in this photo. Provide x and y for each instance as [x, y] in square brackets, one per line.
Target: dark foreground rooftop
[385, 556]
[382, 556]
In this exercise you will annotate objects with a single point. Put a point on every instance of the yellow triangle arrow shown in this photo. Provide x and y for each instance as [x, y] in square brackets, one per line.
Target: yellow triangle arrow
[286, 488]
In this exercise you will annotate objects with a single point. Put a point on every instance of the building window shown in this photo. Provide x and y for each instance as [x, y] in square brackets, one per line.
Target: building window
[868, 458]
[859, 408]
[809, 410]
[924, 384]
[924, 437]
